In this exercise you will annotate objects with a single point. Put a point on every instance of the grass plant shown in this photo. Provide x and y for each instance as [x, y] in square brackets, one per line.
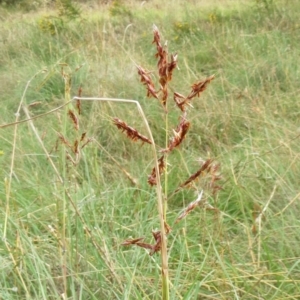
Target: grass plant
[66, 211]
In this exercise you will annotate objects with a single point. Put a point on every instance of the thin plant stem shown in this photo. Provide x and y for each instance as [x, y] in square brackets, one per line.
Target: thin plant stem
[166, 164]
[259, 220]
[64, 212]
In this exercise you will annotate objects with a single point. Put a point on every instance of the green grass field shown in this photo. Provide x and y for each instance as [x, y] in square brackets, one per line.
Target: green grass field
[62, 224]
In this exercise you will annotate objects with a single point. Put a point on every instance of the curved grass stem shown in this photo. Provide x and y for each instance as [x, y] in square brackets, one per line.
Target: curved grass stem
[160, 200]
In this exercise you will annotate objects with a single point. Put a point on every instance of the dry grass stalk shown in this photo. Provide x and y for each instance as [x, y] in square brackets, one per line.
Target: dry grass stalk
[152, 177]
[131, 133]
[257, 216]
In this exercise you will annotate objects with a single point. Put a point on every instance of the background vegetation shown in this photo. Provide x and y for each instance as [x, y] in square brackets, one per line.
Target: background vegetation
[63, 241]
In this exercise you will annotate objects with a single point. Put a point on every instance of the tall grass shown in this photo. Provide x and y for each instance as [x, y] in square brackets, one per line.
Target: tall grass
[64, 240]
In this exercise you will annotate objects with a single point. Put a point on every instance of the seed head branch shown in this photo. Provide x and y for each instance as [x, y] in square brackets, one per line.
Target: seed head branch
[197, 88]
[205, 167]
[131, 133]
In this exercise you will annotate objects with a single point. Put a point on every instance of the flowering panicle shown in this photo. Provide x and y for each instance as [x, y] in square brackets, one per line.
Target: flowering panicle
[166, 64]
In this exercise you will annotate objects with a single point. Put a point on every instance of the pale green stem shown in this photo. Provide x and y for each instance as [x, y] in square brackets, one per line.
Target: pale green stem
[166, 168]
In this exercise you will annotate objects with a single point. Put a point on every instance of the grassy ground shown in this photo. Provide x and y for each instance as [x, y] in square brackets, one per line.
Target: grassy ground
[63, 241]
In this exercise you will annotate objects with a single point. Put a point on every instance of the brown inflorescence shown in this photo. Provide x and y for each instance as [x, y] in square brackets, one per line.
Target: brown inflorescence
[161, 166]
[179, 134]
[197, 88]
[190, 207]
[165, 68]
[131, 133]
[146, 80]
[152, 247]
[205, 167]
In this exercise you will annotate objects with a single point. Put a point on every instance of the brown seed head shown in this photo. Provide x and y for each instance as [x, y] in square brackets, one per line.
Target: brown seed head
[74, 119]
[152, 177]
[179, 134]
[131, 133]
[199, 87]
[205, 166]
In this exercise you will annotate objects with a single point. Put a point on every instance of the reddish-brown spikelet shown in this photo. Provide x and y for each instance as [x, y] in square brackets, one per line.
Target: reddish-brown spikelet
[156, 34]
[179, 134]
[138, 242]
[63, 140]
[172, 65]
[132, 241]
[146, 80]
[180, 101]
[199, 87]
[162, 64]
[131, 133]
[74, 119]
[83, 135]
[205, 166]
[162, 56]
[78, 103]
[165, 68]
[75, 147]
[157, 246]
[161, 166]
[164, 97]
[190, 207]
